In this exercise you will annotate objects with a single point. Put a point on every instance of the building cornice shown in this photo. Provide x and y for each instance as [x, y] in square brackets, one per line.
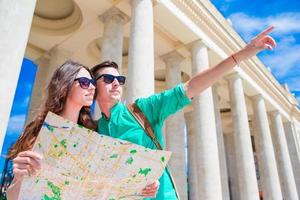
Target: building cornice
[216, 27]
[208, 19]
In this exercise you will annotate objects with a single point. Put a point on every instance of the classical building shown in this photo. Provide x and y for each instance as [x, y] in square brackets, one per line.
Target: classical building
[240, 138]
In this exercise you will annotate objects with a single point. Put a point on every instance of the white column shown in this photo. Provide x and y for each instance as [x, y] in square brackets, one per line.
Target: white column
[15, 20]
[209, 178]
[141, 51]
[290, 133]
[175, 134]
[192, 158]
[221, 146]
[46, 67]
[231, 165]
[112, 40]
[286, 174]
[248, 189]
[268, 168]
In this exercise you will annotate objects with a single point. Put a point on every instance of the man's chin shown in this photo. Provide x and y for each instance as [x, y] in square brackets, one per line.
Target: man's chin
[115, 98]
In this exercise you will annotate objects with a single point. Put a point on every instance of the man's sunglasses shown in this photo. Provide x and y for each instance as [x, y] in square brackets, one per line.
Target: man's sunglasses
[85, 82]
[108, 78]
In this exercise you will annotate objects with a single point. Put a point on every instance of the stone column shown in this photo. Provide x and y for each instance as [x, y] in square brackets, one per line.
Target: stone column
[231, 165]
[248, 188]
[192, 157]
[175, 133]
[209, 178]
[15, 20]
[141, 51]
[286, 174]
[268, 168]
[46, 67]
[112, 40]
[291, 136]
[221, 146]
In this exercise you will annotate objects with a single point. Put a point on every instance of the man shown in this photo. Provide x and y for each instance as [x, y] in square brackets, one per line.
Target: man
[117, 121]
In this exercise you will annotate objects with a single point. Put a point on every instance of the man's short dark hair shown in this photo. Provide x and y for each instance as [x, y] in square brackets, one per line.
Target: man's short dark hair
[104, 64]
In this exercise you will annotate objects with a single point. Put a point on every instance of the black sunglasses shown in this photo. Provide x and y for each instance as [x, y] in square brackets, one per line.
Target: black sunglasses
[108, 78]
[85, 82]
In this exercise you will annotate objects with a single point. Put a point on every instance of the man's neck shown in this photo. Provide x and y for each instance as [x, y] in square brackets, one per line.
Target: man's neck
[105, 107]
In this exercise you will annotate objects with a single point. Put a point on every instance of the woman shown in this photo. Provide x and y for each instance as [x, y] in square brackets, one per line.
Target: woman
[69, 94]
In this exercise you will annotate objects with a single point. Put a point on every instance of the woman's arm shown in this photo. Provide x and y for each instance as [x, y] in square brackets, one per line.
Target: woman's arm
[208, 77]
[26, 163]
[13, 190]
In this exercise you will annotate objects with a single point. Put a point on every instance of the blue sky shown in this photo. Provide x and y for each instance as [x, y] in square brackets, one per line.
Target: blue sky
[250, 17]
[20, 106]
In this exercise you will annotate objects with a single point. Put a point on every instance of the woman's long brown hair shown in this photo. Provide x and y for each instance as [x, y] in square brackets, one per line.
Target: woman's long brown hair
[57, 92]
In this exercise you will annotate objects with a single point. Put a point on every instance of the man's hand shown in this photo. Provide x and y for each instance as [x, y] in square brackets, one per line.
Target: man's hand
[151, 190]
[260, 42]
[263, 40]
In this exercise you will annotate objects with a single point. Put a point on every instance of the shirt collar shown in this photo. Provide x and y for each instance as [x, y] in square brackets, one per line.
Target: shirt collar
[112, 110]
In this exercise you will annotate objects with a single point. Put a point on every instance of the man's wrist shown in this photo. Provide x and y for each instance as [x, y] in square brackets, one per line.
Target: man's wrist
[247, 52]
[234, 59]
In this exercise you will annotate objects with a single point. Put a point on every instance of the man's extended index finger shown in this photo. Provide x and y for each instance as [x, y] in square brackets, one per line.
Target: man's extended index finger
[266, 31]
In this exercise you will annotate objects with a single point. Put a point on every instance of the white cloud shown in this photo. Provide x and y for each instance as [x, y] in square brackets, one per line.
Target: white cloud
[248, 26]
[25, 102]
[285, 59]
[22, 101]
[298, 98]
[16, 124]
[293, 83]
[285, 23]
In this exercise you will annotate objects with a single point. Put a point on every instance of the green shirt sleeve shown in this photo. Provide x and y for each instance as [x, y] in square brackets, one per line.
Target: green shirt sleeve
[159, 106]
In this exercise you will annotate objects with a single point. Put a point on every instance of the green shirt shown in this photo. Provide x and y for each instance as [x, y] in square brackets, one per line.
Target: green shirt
[157, 108]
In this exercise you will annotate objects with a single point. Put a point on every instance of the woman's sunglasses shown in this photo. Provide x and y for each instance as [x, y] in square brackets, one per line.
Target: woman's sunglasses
[108, 78]
[85, 82]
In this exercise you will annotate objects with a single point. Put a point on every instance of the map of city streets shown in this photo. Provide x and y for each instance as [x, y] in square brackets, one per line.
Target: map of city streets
[81, 164]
